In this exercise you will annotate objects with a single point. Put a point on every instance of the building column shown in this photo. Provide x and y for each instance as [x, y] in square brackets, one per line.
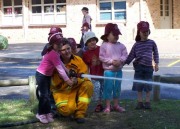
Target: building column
[141, 10]
[25, 17]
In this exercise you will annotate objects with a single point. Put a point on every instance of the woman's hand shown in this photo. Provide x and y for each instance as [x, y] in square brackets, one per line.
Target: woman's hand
[74, 80]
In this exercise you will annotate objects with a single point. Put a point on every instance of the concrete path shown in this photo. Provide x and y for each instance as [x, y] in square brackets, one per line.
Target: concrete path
[22, 59]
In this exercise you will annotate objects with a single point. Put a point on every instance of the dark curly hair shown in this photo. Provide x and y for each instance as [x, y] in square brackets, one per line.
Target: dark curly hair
[65, 41]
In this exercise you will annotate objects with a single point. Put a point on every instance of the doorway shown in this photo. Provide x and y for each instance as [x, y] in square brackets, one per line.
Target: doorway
[166, 14]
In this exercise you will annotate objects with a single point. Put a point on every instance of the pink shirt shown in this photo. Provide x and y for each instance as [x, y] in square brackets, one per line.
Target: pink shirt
[110, 52]
[50, 62]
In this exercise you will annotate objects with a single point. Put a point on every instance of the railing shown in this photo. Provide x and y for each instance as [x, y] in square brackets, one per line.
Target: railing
[31, 81]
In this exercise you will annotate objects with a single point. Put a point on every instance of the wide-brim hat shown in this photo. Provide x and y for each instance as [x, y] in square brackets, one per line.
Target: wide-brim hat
[86, 25]
[54, 38]
[72, 42]
[55, 29]
[89, 35]
[110, 27]
[143, 26]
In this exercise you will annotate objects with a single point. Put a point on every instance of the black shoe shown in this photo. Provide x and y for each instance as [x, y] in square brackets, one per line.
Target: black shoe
[139, 106]
[80, 120]
[147, 105]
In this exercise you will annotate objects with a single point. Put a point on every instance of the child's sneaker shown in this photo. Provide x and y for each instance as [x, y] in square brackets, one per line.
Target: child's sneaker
[49, 117]
[42, 118]
[99, 108]
[107, 110]
[119, 109]
[147, 105]
[140, 105]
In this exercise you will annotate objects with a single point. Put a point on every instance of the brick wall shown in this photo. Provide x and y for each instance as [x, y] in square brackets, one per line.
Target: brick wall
[152, 12]
[149, 12]
[176, 13]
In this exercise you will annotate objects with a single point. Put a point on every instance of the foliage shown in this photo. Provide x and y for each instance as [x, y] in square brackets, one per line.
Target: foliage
[3, 42]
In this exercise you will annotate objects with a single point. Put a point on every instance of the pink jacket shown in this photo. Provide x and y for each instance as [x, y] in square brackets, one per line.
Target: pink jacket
[112, 51]
[50, 62]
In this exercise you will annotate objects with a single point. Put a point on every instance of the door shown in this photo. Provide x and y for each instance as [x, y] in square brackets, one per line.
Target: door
[165, 14]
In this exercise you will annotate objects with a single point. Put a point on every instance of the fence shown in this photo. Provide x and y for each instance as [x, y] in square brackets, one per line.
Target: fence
[31, 81]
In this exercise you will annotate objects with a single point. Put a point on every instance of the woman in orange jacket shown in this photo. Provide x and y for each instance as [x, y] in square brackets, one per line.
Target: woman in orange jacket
[72, 100]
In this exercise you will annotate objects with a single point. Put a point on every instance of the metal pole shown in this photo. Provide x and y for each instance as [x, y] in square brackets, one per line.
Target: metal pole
[156, 88]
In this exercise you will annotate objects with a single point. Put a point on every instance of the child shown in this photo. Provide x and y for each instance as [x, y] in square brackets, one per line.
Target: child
[49, 63]
[86, 24]
[53, 30]
[75, 50]
[85, 28]
[142, 52]
[86, 17]
[113, 55]
[91, 58]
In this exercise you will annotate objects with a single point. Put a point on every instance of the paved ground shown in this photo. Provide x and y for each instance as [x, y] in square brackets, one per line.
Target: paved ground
[21, 60]
[23, 51]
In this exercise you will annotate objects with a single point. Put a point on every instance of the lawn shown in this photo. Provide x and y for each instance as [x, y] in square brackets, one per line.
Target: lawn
[164, 115]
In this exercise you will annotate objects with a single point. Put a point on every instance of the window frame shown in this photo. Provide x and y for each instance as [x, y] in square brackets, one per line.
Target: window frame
[13, 17]
[112, 11]
[43, 14]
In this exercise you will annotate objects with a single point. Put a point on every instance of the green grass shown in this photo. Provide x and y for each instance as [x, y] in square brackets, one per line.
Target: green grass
[164, 115]
[16, 111]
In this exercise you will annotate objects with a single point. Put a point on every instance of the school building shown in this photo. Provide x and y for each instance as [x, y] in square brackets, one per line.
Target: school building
[30, 20]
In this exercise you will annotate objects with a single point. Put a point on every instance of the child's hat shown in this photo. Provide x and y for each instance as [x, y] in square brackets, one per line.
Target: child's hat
[110, 27]
[85, 25]
[89, 35]
[143, 26]
[55, 29]
[72, 42]
[85, 8]
[54, 38]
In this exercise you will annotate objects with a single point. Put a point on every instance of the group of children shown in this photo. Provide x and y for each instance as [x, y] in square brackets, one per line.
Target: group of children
[106, 60]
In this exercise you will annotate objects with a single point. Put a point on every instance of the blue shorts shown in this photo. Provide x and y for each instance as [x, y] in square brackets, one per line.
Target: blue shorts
[144, 73]
[112, 88]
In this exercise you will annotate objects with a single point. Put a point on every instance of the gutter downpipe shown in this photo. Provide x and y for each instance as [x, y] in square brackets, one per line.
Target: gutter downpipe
[25, 18]
[140, 18]
[140, 10]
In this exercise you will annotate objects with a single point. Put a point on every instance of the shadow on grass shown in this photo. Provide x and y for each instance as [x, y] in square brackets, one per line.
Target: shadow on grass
[165, 114]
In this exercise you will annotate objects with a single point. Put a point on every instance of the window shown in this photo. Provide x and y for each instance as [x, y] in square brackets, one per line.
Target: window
[112, 10]
[12, 10]
[48, 11]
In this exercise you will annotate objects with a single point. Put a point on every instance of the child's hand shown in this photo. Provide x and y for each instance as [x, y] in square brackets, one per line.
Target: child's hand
[156, 67]
[116, 63]
[69, 82]
[95, 60]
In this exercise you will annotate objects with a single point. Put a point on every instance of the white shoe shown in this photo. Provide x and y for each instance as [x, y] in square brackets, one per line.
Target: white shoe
[49, 117]
[42, 118]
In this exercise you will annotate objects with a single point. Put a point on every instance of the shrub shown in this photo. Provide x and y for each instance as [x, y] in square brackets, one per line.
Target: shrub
[3, 42]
